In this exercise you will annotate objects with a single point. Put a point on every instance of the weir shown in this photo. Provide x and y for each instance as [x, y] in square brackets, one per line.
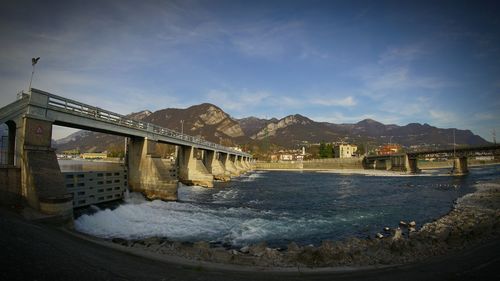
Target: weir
[31, 173]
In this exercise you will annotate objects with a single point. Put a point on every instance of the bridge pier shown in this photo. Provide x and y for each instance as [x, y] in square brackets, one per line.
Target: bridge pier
[191, 170]
[238, 164]
[42, 183]
[246, 164]
[381, 164]
[460, 166]
[154, 177]
[398, 162]
[228, 162]
[411, 165]
[214, 166]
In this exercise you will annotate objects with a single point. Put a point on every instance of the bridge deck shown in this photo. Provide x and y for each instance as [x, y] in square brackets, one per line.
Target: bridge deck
[71, 113]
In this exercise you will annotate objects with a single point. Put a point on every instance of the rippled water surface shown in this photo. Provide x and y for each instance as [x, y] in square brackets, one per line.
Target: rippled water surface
[279, 207]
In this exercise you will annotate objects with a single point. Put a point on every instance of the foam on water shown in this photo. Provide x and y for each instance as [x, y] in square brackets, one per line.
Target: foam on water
[224, 195]
[189, 222]
[251, 177]
[139, 218]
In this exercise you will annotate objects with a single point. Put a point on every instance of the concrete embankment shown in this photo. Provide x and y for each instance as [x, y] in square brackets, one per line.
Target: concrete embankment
[354, 163]
[318, 164]
[425, 165]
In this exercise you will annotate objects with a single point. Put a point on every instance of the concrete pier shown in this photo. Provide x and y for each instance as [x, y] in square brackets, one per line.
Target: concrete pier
[246, 164]
[238, 164]
[156, 178]
[42, 183]
[411, 165]
[215, 166]
[228, 162]
[192, 171]
[460, 166]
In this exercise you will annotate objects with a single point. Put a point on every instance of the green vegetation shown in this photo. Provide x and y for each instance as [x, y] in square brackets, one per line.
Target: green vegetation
[325, 150]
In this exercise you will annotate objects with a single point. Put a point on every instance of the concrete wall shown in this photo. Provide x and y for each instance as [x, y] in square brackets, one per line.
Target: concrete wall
[278, 166]
[319, 164]
[334, 163]
[96, 187]
[10, 186]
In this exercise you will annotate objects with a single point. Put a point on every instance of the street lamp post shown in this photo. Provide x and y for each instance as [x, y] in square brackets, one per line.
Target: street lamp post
[182, 127]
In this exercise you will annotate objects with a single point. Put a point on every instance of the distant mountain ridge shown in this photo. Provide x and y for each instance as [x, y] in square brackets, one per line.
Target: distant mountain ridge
[213, 124]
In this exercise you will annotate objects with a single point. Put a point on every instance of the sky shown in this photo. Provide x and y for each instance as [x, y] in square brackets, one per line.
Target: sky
[398, 62]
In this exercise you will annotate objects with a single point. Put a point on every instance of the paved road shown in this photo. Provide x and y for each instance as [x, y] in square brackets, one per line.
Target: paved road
[34, 251]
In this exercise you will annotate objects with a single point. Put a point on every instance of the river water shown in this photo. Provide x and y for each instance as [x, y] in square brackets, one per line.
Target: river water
[279, 207]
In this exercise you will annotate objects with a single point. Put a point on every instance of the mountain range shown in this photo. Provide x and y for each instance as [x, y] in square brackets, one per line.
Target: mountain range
[213, 124]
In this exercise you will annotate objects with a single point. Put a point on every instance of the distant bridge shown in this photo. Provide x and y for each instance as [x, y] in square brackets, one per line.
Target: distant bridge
[408, 161]
[459, 151]
[30, 119]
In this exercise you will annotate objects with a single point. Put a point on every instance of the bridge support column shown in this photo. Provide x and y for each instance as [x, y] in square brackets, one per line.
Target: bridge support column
[214, 166]
[246, 164]
[381, 164]
[398, 163]
[228, 162]
[11, 149]
[460, 166]
[191, 170]
[238, 164]
[154, 177]
[42, 183]
[411, 165]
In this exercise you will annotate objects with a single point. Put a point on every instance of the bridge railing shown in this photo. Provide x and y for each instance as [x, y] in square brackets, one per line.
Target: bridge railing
[78, 108]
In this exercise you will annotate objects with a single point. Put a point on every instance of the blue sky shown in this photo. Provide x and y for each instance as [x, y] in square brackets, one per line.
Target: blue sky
[397, 62]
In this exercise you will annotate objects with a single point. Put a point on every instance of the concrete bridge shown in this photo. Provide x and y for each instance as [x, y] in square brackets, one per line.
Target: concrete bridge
[408, 161]
[32, 171]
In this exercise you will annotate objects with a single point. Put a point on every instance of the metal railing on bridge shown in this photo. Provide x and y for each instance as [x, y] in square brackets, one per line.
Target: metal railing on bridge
[82, 109]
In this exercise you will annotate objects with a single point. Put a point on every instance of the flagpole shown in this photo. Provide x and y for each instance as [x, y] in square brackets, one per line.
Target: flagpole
[33, 63]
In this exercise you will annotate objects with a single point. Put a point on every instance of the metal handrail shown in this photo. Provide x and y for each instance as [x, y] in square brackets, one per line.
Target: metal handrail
[75, 107]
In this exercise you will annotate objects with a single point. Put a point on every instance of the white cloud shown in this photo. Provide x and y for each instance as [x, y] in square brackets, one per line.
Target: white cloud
[401, 54]
[339, 118]
[266, 38]
[483, 116]
[443, 118]
[237, 100]
[344, 102]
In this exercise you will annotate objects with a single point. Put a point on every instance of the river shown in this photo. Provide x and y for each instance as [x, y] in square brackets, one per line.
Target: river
[279, 207]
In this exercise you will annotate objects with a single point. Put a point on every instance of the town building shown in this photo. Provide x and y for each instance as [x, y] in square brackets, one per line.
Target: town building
[389, 149]
[286, 157]
[94, 155]
[345, 150]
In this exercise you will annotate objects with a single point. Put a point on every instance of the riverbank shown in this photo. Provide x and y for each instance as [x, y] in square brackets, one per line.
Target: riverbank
[35, 251]
[355, 164]
[474, 219]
